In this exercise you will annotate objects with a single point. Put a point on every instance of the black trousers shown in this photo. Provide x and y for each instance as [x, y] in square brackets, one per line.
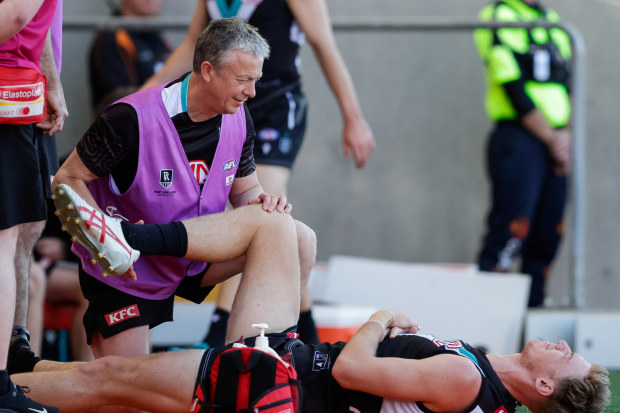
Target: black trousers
[528, 200]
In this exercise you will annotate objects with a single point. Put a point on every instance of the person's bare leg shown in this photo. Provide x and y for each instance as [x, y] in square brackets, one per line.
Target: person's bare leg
[8, 240]
[158, 383]
[29, 233]
[306, 299]
[79, 347]
[274, 180]
[36, 302]
[306, 240]
[63, 286]
[126, 343]
[269, 243]
[134, 341]
[226, 292]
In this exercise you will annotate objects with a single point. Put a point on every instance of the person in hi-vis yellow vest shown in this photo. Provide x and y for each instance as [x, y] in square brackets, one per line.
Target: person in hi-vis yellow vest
[529, 149]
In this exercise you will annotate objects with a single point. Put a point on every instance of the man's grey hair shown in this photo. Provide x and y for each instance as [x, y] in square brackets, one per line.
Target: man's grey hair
[225, 35]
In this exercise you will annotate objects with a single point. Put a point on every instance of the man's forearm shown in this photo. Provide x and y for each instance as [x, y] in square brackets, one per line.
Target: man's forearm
[535, 122]
[48, 64]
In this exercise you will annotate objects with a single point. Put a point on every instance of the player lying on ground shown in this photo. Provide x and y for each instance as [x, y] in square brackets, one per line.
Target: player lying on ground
[403, 373]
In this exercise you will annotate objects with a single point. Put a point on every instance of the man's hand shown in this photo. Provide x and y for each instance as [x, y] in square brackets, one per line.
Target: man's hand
[272, 203]
[131, 274]
[56, 112]
[395, 322]
[357, 139]
[561, 151]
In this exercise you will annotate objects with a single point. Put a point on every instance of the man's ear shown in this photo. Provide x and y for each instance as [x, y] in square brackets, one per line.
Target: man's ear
[207, 70]
[545, 386]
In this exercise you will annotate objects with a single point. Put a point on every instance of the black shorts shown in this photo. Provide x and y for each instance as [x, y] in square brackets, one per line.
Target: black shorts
[280, 125]
[111, 311]
[27, 160]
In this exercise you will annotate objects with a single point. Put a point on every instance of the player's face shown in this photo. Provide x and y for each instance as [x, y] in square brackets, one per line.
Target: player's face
[557, 360]
[234, 82]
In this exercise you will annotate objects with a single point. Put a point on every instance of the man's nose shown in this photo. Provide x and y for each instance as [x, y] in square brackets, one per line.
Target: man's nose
[250, 90]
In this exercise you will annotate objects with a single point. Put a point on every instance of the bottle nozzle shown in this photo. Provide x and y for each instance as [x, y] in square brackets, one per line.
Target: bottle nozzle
[261, 341]
[262, 327]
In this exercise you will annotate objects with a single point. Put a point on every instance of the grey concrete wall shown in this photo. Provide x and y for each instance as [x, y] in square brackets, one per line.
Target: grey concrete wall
[424, 195]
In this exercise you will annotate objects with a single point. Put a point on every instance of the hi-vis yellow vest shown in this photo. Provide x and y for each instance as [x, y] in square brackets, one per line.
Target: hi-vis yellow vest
[540, 56]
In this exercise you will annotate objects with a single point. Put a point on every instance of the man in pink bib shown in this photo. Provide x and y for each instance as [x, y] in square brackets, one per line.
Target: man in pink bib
[172, 153]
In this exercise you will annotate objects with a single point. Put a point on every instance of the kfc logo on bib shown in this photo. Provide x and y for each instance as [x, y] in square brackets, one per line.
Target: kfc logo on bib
[501, 410]
[122, 315]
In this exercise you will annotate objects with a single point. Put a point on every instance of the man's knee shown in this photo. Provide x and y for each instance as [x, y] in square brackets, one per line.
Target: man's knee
[29, 233]
[306, 239]
[277, 220]
[106, 368]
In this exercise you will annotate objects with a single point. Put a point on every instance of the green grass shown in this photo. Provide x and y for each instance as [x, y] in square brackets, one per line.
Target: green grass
[614, 406]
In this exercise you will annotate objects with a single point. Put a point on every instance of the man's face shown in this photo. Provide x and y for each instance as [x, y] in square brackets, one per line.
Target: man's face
[554, 360]
[234, 83]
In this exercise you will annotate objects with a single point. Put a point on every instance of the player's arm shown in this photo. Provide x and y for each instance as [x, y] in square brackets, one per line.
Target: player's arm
[56, 105]
[101, 150]
[75, 174]
[313, 18]
[15, 15]
[426, 380]
[180, 61]
[244, 189]
[247, 190]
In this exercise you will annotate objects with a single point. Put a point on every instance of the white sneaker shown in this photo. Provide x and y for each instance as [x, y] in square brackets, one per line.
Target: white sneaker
[100, 234]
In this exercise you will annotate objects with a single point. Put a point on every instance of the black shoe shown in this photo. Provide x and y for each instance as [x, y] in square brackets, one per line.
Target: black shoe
[15, 401]
[21, 357]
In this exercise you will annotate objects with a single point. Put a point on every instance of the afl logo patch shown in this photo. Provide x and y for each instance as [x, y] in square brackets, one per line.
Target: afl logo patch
[268, 134]
[230, 165]
[319, 361]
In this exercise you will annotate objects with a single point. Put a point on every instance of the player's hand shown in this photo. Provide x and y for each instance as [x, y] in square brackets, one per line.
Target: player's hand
[358, 140]
[272, 203]
[402, 323]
